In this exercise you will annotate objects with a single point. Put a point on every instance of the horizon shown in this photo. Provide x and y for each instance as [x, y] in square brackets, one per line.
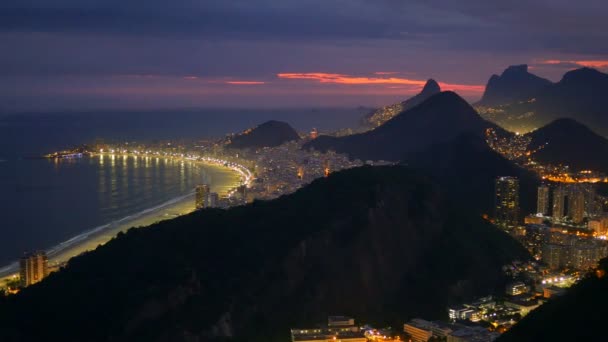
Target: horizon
[70, 55]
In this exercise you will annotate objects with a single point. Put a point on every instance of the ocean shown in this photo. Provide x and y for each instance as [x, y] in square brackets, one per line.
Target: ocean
[44, 203]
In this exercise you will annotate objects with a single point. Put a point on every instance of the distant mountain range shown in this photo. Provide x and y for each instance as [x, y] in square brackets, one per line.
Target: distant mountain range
[513, 85]
[381, 115]
[381, 243]
[559, 319]
[269, 134]
[520, 101]
[440, 118]
[568, 142]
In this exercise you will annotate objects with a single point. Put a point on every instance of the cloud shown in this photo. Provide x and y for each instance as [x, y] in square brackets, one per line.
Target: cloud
[245, 82]
[598, 64]
[330, 78]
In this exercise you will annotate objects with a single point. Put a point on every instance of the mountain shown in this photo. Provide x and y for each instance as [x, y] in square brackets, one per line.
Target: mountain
[580, 95]
[269, 134]
[381, 243]
[568, 142]
[468, 168]
[381, 115]
[513, 85]
[560, 318]
[440, 118]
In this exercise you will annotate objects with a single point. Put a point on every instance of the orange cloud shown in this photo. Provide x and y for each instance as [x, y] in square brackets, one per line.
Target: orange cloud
[386, 73]
[593, 64]
[359, 80]
[348, 79]
[584, 63]
[245, 82]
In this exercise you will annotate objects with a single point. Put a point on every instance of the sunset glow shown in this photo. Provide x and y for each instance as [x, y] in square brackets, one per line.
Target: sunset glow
[245, 82]
[584, 63]
[361, 80]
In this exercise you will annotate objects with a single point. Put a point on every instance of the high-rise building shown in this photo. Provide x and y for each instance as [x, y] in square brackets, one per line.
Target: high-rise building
[214, 200]
[554, 256]
[576, 204]
[559, 202]
[202, 196]
[593, 207]
[507, 202]
[33, 268]
[542, 203]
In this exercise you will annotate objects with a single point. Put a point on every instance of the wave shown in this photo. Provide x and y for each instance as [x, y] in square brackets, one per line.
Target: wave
[61, 247]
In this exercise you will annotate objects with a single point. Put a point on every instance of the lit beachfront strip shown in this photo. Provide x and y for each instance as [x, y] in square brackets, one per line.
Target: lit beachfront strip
[244, 172]
[90, 239]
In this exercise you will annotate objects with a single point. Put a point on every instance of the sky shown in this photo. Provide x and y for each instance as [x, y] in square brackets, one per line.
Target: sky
[116, 54]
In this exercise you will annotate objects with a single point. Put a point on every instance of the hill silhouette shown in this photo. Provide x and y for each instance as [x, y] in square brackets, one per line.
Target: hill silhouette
[568, 142]
[513, 85]
[440, 118]
[269, 134]
[381, 243]
[579, 95]
[381, 115]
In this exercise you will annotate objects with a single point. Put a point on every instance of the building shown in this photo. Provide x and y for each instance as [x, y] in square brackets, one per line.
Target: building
[461, 313]
[536, 236]
[341, 324]
[507, 202]
[338, 329]
[553, 291]
[599, 225]
[534, 219]
[422, 330]
[202, 196]
[472, 334]
[517, 288]
[33, 267]
[576, 204]
[554, 255]
[419, 330]
[214, 200]
[523, 306]
[542, 201]
[559, 202]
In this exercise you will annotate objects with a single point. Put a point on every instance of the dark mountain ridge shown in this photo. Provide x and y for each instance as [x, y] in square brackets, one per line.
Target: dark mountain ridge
[580, 95]
[441, 118]
[379, 116]
[513, 85]
[269, 134]
[568, 142]
[380, 243]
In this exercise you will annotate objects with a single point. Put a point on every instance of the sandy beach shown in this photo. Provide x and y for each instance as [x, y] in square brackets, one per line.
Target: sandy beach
[91, 239]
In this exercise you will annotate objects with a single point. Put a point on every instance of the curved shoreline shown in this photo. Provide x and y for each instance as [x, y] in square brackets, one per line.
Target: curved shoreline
[92, 238]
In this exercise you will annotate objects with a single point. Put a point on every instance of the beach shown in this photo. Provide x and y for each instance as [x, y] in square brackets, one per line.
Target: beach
[91, 239]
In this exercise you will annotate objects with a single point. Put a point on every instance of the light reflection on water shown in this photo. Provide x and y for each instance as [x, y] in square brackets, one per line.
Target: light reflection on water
[69, 197]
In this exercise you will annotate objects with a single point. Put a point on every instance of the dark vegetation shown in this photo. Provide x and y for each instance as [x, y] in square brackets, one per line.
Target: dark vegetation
[383, 244]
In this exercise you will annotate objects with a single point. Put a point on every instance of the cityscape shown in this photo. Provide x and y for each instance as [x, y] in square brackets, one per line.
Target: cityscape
[322, 171]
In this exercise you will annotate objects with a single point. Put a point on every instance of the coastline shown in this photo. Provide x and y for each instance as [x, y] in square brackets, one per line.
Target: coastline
[91, 239]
